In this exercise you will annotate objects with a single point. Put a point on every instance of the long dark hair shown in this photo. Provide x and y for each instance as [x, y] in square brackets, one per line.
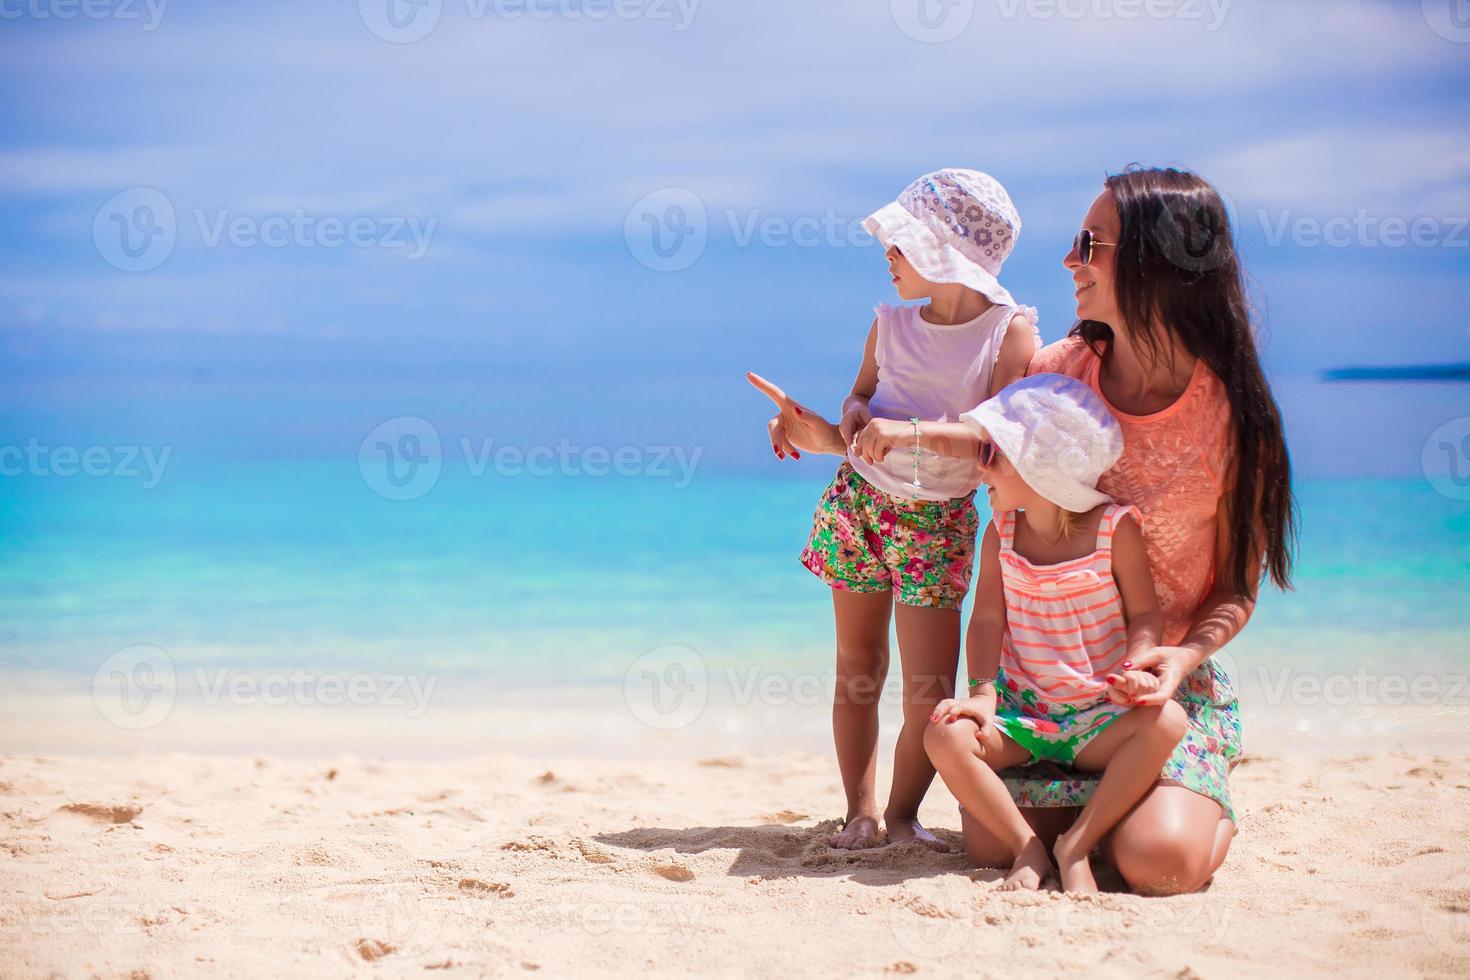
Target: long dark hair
[1178, 277]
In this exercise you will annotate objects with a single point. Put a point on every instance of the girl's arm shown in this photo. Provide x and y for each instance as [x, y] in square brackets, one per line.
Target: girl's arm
[855, 412]
[1016, 350]
[982, 640]
[1140, 607]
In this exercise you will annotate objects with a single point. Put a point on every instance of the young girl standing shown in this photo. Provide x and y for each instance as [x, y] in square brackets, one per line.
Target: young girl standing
[1064, 605]
[895, 538]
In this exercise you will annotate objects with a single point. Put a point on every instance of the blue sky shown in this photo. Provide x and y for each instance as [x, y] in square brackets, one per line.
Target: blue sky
[519, 148]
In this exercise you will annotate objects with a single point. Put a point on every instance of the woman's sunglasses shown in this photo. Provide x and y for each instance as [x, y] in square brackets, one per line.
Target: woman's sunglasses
[987, 454]
[1084, 244]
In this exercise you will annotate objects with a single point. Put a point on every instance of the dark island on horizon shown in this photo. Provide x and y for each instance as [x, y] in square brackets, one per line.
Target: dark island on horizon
[1407, 372]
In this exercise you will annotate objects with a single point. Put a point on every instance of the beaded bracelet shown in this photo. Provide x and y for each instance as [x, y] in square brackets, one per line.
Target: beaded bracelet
[916, 453]
[978, 682]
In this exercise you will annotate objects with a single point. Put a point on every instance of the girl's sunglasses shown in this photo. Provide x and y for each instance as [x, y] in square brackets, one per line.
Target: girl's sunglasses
[1084, 244]
[987, 454]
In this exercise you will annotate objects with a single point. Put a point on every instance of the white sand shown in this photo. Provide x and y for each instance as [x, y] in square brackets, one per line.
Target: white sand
[170, 865]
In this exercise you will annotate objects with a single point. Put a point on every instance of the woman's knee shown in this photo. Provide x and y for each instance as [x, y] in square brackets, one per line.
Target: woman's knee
[1163, 861]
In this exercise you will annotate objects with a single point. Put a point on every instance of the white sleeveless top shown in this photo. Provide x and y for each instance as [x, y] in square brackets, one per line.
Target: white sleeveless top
[936, 374]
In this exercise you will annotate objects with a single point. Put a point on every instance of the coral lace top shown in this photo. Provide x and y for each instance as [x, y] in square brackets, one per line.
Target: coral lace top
[1174, 469]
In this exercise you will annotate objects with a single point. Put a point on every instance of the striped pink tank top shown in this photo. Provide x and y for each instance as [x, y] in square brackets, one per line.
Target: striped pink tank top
[1065, 628]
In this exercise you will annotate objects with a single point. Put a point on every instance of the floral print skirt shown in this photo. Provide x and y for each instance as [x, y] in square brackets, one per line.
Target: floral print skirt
[1057, 733]
[1201, 762]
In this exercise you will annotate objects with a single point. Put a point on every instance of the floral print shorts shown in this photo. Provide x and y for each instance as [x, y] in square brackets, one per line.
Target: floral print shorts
[1201, 762]
[1051, 731]
[864, 540]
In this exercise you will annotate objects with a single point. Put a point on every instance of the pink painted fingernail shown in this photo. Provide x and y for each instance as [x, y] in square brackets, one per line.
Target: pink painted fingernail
[1127, 665]
[798, 409]
[795, 454]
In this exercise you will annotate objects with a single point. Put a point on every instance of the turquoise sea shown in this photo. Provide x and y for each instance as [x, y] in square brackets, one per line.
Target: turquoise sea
[560, 582]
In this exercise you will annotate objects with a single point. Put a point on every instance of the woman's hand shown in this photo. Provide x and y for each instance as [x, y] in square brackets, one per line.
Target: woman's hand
[1170, 665]
[797, 428]
[980, 710]
[879, 436]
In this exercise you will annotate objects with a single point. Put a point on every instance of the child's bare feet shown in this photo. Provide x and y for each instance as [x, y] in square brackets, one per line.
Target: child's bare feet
[1030, 869]
[1073, 866]
[860, 834]
[902, 829]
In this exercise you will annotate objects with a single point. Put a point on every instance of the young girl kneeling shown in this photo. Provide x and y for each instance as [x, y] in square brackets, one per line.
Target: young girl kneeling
[1064, 603]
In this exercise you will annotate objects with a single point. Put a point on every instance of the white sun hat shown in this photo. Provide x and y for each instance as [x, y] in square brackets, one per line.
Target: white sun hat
[953, 226]
[1058, 435]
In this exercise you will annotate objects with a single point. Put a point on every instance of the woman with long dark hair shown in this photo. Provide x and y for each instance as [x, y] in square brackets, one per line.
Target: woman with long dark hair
[1165, 336]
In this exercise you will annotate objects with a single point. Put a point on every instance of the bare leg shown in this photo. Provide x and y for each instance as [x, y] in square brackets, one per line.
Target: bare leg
[929, 650]
[967, 764]
[987, 851]
[1130, 753]
[1171, 843]
[862, 665]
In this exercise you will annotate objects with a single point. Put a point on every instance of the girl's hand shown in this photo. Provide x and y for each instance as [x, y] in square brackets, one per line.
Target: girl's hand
[853, 422]
[796, 428]
[1130, 686]
[980, 710]
[878, 437]
[1168, 665]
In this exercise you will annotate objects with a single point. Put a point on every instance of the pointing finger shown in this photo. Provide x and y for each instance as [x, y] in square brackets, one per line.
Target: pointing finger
[771, 391]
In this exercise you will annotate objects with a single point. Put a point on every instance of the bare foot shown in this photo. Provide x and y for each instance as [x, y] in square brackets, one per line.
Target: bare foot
[1030, 868]
[1073, 866]
[901, 829]
[860, 834]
